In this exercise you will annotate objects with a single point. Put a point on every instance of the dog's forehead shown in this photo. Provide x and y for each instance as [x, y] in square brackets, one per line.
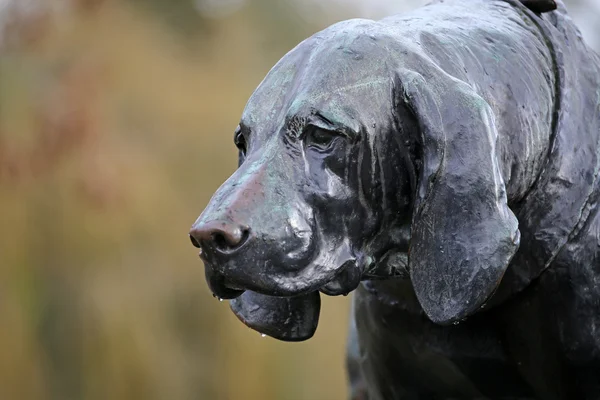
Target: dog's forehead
[343, 73]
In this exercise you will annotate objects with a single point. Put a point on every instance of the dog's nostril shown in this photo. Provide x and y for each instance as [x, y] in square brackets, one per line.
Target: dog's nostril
[220, 241]
[223, 236]
[245, 234]
[229, 239]
[194, 241]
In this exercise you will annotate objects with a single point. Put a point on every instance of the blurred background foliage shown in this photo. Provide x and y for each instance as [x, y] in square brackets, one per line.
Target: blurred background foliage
[116, 126]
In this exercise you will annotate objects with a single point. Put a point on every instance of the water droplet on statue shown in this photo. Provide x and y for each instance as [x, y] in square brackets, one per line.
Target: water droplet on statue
[220, 299]
[263, 335]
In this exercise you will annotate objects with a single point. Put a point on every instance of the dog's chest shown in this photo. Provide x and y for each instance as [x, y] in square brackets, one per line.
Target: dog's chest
[514, 352]
[524, 350]
[404, 355]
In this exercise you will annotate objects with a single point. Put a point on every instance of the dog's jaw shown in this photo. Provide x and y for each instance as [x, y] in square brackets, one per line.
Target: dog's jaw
[291, 319]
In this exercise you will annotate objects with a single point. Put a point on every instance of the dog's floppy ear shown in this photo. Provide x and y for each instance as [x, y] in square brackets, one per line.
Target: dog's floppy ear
[463, 234]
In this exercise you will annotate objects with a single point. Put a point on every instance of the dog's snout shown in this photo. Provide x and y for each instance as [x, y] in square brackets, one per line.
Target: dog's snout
[221, 235]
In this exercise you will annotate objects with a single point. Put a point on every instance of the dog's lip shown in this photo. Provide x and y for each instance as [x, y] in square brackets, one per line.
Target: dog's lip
[338, 281]
[220, 287]
[346, 279]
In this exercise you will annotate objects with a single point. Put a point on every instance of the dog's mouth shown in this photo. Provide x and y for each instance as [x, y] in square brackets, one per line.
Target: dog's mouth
[293, 316]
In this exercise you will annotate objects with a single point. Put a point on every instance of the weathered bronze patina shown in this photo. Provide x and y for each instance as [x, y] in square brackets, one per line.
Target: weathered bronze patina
[444, 165]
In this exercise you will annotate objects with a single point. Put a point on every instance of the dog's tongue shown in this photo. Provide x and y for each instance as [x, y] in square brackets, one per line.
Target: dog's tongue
[291, 319]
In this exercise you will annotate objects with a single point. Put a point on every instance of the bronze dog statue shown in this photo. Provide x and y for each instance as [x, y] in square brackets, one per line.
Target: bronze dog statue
[444, 165]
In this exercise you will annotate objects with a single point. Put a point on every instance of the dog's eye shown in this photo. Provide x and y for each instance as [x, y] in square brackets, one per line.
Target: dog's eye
[240, 142]
[319, 138]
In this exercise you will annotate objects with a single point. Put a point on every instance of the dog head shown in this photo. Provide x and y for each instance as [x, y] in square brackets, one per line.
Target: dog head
[357, 160]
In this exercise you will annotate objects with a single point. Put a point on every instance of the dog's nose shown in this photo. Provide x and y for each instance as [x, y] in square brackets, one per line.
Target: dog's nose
[223, 236]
